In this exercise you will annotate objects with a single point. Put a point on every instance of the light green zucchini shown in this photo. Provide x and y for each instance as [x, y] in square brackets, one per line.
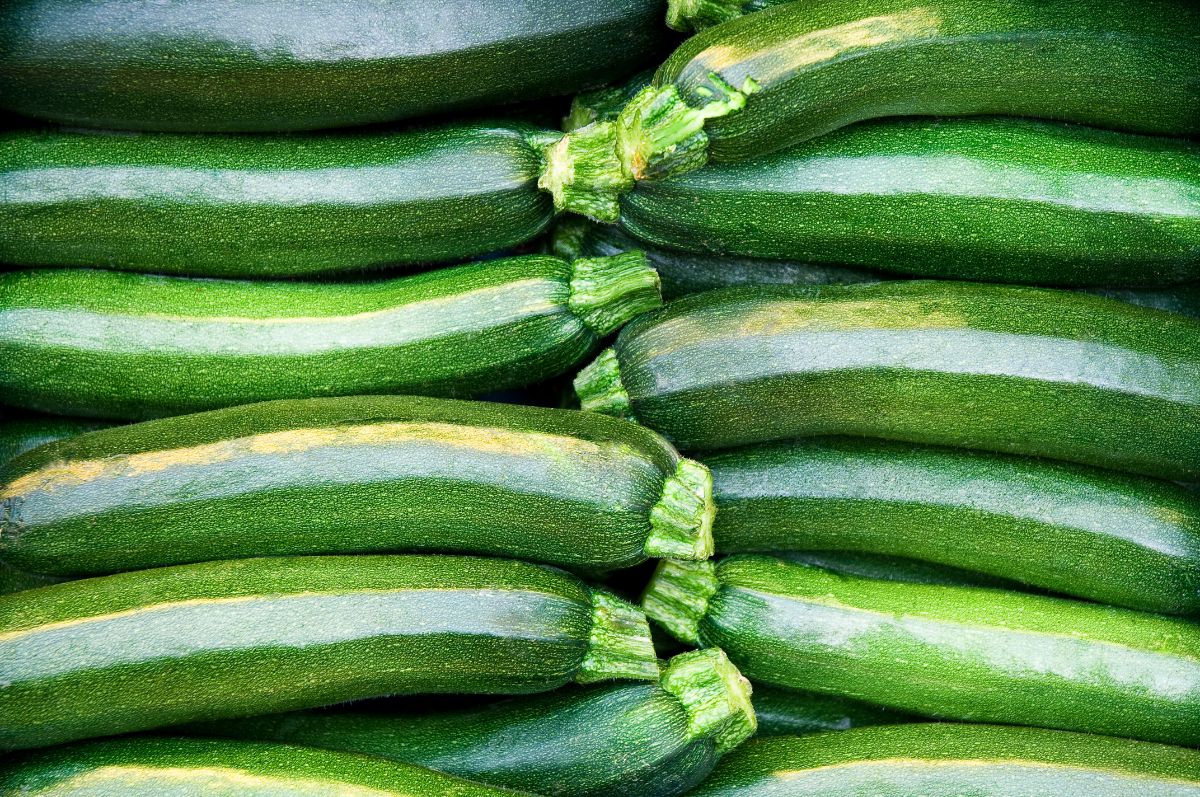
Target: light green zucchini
[355, 475]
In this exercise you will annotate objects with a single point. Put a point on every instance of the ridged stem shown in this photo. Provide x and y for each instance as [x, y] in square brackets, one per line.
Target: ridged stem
[604, 104]
[608, 291]
[584, 174]
[692, 16]
[599, 387]
[619, 646]
[715, 695]
[681, 521]
[677, 597]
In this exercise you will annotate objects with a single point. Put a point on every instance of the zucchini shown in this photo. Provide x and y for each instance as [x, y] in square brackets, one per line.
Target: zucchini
[1122, 540]
[940, 760]
[273, 65]
[998, 200]
[187, 767]
[132, 346]
[268, 206]
[636, 739]
[26, 432]
[136, 651]
[1002, 368]
[961, 653]
[685, 273]
[783, 712]
[356, 475]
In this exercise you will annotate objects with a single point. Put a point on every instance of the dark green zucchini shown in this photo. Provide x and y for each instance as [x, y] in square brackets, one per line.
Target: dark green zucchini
[355, 475]
[1000, 200]
[118, 345]
[961, 653]
[784, 712]
[945, 760]
[141, 650]
[273, 65]
[150, 767]
[690, 16]
[1122, 540]
[1020, 370]
[26, 432]
[639, 740]
[261, 206]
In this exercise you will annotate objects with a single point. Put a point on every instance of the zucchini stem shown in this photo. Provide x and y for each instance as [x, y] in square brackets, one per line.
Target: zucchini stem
[681, 522]
[608, 291]
[715, 695]
[677, 597]
[619, 646]
[584, 174]
[600, 389]
[693, 16]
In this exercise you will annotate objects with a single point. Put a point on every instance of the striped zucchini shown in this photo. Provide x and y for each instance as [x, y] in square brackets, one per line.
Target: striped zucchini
[635, 739]
[268, 206]
[141, 650]
[216, 768]
[134, 346]
[355, 475]
[1122, 540]
[1020, 370]
[998, 200]
[273, 65]
[940, 760]
[783, 712]
[962, 653]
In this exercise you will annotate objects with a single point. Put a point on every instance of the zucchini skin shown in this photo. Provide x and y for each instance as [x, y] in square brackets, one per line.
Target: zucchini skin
[1183, 299]
[634, 739]
[946, 759]
[141, 650]
[153, 767]
[784, 712]
[356, 475]
[1010, 369]
[267, 206]
[1122, 540]
[825, 64]
[134, 346]
[961, 653]
[996, 200]
[25, 433]
[271, 65]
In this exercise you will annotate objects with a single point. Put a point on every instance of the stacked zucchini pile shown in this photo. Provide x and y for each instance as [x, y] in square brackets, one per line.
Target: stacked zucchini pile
[341, 443]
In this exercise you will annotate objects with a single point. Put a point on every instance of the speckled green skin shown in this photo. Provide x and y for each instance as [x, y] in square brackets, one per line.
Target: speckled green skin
[622, 739]
[26, 432]
[1020, 370]
[118, 345]
[261, 206]
[934, 760]
[1121, 540]
[784, 712]
[342, 475]
[263, 65]
[962, 653]
[215, 768]
[141, 650]
[1000, 200]
[824, 64]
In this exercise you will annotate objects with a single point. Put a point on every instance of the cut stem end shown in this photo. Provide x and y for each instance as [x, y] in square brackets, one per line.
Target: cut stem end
[715, 695]
[677, 597]
[599, 387]
[619, 647]
[608, 291]
[681, 522]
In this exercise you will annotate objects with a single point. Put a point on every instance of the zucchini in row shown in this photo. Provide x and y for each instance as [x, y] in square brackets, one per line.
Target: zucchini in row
[355, 475]
[1031, 371]
[961, 653]
[119, 345]
[632, 739]
[141, 650]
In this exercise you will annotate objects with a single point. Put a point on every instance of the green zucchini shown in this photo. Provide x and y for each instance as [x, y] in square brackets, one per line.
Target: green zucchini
[998, 200]
[1002, 368]
[355, 475]
[273, 65]
[263, 206]
[136, 651]
[685, 273]
[945, 760]
[783, 712]
[635, 739]
[1122, 540]
[961, 653]
[26, 432]
[692, 16]
[151, 767]
[121, 345]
